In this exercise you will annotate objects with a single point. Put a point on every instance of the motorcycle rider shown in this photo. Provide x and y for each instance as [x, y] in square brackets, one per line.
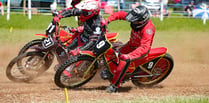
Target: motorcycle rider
[88, 10]
[140, 42]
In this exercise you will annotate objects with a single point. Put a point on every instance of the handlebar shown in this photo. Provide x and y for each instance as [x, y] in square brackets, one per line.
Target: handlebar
[53, 28]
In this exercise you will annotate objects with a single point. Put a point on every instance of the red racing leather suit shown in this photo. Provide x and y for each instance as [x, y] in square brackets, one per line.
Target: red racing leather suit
[138, 46]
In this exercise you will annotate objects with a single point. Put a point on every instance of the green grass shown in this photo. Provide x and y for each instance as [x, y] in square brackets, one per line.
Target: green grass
[18, 21]
[37, 22]
[17, 35]
[165, 99]
[24, 29]
[179, 99]
[180, 24]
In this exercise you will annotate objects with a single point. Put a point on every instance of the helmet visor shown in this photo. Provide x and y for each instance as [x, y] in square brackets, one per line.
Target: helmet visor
[131, 17]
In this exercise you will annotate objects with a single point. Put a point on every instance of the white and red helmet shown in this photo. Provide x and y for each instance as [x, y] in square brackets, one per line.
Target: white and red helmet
[89, 9]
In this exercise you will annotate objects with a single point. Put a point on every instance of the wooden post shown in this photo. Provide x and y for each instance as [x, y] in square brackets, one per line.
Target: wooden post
[24, 7]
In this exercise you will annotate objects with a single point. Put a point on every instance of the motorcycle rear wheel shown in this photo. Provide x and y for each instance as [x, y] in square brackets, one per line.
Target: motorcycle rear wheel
[27, 66]
[163, 67]
[75, 72]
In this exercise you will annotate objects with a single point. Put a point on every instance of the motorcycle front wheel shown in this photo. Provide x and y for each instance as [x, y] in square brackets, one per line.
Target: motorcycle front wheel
[27, 66]
[29, 46]
[160, 71]
[75, 72]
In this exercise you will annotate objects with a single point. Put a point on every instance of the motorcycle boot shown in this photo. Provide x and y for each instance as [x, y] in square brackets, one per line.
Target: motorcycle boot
[111, 89]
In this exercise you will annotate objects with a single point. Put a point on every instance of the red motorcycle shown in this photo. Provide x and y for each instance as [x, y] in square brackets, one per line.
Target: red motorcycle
[38, 55]
[148, 71]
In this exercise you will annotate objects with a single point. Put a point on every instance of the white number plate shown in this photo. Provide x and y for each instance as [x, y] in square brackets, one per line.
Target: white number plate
[48, 42]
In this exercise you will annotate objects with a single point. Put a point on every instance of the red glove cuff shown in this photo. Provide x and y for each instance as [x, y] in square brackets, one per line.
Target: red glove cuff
[124, 57]
[104, 22]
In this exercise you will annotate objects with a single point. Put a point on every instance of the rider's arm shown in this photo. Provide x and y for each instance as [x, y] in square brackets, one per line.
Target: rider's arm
[70, 12]
[66, 13]
[145, 42]
[120, 15]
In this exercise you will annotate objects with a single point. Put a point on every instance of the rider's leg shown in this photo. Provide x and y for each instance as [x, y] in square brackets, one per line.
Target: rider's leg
[118, 75]
[73, 44]
[123, 66]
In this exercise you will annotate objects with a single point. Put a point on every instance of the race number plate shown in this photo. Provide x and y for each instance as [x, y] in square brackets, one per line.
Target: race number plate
[48, 42]
[102, 46]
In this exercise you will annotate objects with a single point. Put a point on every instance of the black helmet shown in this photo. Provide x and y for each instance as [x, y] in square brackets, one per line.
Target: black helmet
[138, 17]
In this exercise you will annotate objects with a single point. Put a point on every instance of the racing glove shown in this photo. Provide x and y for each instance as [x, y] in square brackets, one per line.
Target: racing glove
[124, 57]
[104, 22]
[75, 52]
[78, 29]
[56, 19]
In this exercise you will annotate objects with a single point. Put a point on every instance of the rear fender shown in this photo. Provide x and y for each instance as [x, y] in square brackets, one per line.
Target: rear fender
[146, 63]
[153, 53]
[157, 51]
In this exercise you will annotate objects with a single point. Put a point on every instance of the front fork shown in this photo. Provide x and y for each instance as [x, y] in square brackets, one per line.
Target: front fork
[89, 68]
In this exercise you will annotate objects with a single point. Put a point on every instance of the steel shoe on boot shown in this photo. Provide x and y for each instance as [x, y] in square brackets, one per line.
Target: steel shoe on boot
[111, 89]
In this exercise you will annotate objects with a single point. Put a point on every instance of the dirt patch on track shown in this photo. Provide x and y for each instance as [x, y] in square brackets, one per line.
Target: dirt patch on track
[189, 77]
